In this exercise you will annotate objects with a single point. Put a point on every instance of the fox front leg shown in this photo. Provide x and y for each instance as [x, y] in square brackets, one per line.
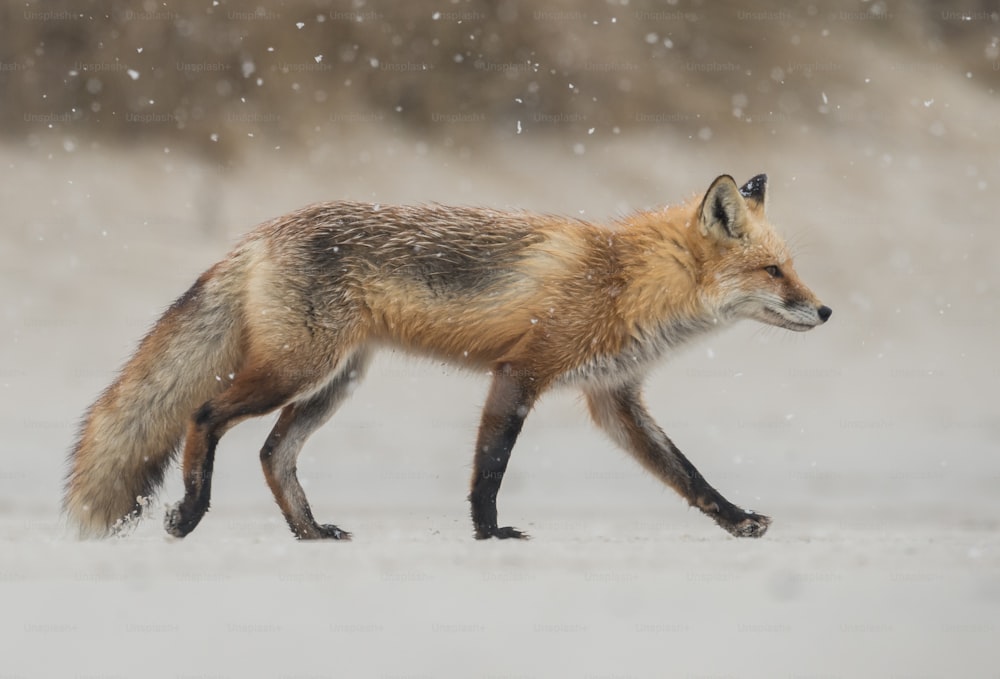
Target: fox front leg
[511, 397]
[621, 413]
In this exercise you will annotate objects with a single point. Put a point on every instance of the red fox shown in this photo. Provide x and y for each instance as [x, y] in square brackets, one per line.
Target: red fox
[290, 319]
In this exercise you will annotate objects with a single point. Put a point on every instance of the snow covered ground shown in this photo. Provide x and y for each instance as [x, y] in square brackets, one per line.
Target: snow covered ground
[872, 441]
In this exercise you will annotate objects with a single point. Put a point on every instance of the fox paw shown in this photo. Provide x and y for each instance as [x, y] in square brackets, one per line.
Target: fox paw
[326, 531]
[177, 523]
[500, 533]
[174, 523]
[331, 532]
[750, 526]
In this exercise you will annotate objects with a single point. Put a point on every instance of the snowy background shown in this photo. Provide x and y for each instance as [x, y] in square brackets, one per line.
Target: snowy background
[141, 141]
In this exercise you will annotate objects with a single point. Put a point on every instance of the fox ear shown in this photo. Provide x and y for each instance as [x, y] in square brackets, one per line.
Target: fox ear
[755, 192]
[723, 211]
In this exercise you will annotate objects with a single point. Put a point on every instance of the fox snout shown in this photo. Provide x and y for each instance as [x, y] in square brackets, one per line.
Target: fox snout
[798, 316]
[820, 315]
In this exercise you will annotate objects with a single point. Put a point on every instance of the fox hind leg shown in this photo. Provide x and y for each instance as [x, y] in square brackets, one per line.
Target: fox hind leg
[253, 393]
[281, 450]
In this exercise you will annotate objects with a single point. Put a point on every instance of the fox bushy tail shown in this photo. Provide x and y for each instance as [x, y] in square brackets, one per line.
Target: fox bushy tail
[133, 431]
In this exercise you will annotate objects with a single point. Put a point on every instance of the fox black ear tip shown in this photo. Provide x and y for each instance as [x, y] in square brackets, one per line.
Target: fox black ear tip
[755, 186]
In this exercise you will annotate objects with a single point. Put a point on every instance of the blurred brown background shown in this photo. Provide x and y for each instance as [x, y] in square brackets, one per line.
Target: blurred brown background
[218, 78]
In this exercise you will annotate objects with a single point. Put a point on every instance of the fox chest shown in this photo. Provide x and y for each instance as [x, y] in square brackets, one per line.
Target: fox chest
[637, 355]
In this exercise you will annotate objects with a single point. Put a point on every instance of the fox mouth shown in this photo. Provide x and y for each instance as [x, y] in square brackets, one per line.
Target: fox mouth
[777, 319]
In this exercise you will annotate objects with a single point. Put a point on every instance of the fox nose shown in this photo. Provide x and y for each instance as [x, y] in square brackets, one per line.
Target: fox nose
[824, 313]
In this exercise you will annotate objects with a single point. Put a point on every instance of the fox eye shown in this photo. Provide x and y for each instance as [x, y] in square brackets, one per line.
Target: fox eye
[773, 271]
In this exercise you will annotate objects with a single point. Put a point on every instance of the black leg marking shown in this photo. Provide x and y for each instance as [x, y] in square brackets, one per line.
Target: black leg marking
[511, 397]
[183, 517]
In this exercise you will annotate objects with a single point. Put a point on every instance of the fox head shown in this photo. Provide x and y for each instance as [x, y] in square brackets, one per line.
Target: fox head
[749, 272]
